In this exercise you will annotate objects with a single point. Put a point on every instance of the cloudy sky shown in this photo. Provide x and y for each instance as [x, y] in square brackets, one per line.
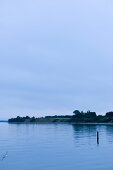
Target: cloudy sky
[55, 56]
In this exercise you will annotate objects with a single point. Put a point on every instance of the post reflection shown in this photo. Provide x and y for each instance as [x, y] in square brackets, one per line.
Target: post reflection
[93, 133]
[85, 134]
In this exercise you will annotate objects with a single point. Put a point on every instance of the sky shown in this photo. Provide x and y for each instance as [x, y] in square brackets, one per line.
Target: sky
[55, 57]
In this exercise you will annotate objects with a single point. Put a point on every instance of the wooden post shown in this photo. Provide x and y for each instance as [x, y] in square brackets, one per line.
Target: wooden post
[97, 137]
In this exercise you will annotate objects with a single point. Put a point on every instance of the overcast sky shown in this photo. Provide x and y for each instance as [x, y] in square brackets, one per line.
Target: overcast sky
[55, 56]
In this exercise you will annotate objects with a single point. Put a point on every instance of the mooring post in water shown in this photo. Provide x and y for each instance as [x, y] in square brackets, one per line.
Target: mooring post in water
[97, 137]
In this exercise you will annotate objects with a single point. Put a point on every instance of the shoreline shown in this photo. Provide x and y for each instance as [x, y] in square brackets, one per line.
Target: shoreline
[71, 123]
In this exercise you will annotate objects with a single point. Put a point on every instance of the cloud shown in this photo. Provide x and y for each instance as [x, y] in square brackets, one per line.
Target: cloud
[55, 56]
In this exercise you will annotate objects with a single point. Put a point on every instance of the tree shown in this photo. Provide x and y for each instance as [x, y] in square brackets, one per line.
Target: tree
[109, 114]
[78, 114]
[89, 114]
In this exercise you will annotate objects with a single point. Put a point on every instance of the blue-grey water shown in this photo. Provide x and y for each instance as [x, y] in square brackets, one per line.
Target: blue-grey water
[55, 147]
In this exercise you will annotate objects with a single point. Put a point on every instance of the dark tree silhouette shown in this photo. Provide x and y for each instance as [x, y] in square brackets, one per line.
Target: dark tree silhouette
[78, 114]
[109, 114]
[89, 114]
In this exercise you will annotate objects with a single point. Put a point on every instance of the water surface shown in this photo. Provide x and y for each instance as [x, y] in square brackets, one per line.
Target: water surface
[56, 147]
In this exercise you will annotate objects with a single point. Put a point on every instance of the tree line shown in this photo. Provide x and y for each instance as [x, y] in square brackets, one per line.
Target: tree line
[77, 117]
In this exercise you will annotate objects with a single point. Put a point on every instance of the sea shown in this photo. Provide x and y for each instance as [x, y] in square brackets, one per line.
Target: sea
[56, 146]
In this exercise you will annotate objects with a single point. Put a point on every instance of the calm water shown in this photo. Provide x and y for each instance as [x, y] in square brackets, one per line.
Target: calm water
[56, 147]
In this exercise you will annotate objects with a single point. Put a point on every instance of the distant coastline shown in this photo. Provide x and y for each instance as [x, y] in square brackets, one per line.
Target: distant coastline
[3, 120]
[77, 117]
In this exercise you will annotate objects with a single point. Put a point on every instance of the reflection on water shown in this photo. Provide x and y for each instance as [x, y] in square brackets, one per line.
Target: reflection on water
[85, 132]
[56, 147]
[109, 133]
[89, 132]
